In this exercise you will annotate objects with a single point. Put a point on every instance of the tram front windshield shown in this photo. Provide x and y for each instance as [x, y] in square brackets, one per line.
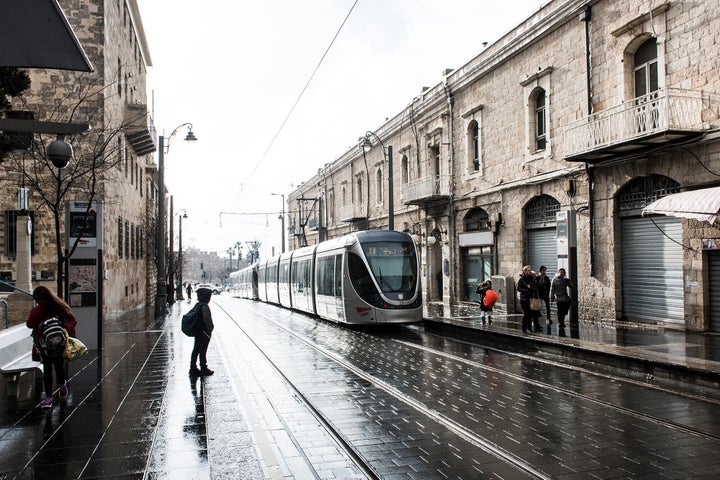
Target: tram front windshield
[393, 265]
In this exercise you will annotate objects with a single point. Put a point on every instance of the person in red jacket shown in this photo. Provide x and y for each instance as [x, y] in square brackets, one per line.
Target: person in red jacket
[50, 305]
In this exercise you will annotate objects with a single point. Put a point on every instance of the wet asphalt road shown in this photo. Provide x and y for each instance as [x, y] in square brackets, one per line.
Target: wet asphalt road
[293, 397]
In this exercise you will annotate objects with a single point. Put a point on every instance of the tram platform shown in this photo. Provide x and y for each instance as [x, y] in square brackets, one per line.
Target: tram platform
[133, 412]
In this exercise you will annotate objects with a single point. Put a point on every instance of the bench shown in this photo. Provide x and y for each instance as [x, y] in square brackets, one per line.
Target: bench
[16, 357]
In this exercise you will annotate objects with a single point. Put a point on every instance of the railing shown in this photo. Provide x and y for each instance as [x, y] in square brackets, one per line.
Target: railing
[664, 110]
[427, 188]
[353, 212]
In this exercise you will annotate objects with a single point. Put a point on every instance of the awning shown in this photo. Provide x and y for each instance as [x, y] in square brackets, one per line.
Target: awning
[703, 205]
[36, 34]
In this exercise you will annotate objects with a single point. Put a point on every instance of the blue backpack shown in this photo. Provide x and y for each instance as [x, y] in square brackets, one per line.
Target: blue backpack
[191, 322]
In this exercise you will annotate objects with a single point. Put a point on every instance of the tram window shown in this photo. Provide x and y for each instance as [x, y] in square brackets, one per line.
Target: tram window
[393, 264]
[338, 275]
[359, 276]
[325, 273]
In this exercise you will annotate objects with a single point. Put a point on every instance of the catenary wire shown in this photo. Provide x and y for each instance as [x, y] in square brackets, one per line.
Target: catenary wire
[297, 100]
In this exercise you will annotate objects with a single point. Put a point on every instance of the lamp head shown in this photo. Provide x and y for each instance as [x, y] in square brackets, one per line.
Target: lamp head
[365, 144]
[60, 152]
[190, 137]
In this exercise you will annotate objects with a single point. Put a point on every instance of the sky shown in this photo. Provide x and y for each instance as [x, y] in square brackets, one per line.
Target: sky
[240, 72]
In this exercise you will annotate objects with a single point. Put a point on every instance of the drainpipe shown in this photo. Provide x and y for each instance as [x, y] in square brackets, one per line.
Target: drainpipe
[451, 206]
[585, 16]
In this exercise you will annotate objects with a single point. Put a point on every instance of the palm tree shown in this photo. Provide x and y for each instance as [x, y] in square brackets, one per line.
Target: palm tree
[238, 247]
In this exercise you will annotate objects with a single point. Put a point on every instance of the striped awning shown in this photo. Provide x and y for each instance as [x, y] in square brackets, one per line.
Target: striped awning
[703, 205]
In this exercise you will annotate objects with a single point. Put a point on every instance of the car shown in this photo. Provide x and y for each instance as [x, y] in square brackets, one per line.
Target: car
[215, 289]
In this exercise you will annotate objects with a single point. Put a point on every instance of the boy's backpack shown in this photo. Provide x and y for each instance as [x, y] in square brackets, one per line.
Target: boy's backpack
[52, 337]
[191, 325]
[490, 298]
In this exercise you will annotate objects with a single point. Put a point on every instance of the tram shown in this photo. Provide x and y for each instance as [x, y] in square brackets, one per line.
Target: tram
[367, 277]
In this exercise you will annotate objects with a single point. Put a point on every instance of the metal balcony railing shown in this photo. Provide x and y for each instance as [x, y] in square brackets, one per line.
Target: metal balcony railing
[668, 113]
[427, 189]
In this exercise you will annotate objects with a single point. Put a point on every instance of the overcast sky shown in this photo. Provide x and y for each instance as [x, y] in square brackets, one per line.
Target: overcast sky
[234, 69]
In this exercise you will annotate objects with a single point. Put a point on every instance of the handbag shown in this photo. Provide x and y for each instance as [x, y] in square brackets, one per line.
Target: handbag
[74, 349]
[535, 304]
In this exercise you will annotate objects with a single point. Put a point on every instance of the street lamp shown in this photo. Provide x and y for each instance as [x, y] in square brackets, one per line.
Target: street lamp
[282, 221]
[161, 293]
[366, 146]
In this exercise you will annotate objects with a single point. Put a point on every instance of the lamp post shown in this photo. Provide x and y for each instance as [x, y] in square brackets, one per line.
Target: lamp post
[366, 145]
[161, 293]
[180, 259]
[282, 221]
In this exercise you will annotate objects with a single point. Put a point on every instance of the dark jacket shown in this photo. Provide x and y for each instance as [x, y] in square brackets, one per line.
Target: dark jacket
[560, 286]
[543, 285]
[527, 287]
[205, 318]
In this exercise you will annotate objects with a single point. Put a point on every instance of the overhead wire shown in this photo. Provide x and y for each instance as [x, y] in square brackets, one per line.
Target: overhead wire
[297, 100]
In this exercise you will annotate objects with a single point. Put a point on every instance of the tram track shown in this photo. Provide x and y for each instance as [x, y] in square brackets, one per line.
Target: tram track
[565, 391]
[339, 440]
[451, 425]
[459, 413]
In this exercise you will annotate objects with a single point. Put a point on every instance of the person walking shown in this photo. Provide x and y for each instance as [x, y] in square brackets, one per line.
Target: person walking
[487, 301]
[560, 295]
[527, 290]
[48, 306]
[202, 339]
[543, 284]
[188, 290]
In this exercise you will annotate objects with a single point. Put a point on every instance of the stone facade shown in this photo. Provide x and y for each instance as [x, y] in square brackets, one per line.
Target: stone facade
[113, 101]
[558, 117]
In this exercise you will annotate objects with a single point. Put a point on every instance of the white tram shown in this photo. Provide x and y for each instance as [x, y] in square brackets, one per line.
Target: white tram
[364, 277]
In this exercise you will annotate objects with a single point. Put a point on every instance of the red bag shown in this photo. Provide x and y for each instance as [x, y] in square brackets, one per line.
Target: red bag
[490, 298]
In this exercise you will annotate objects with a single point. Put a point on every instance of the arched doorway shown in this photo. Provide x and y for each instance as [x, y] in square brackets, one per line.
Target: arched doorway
[651, 254]
[541, 232]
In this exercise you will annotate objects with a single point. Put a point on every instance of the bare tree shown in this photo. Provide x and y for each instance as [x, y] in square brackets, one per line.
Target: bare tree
[96, 153]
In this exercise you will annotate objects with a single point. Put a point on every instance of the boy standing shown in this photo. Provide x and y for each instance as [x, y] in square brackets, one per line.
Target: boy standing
[202, 339]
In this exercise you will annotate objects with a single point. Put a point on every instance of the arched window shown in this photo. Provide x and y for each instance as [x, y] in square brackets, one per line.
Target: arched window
[343, 193]
[359, 191]
[645, 68]
[405, 170]
[476, 219]
[541, 211]
[379, 186]
[642, 191]
[540, 119]
[473, 136]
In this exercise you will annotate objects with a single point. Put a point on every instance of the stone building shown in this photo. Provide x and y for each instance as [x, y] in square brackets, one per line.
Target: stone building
[544, 149]
[113, 101]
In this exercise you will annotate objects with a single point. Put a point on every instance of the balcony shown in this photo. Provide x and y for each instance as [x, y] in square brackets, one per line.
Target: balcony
[661, 118]
[353, 213]
[139, 129]
[427, 190]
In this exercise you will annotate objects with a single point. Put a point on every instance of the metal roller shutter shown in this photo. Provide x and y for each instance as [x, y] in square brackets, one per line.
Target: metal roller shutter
[714, 262]
[542, 249]
[652, 270]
